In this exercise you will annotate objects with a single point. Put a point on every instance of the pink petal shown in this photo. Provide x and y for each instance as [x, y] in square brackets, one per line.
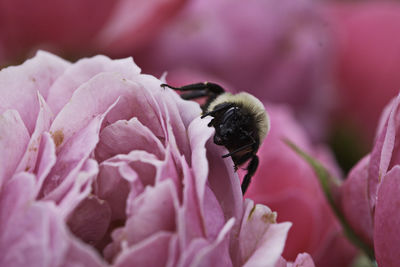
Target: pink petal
[355, 201]
[144, 165]
[224, 182]
[151, 212]
[168, 171]
[90, 220]
[70, 158]
[199, 133]
[190, 222]
[19, 85]
[387, 220]
[381, 154]
[45, 116]
[79, 254]
[189, 252]
[31, 235]
[81, 72]
[79, 188]
[15, 194]
[124, 136]
[153, 251]
[127, 99]
[34, 234]
[14, 139]
[261, 239]
[110, 186]
[217, 253]
[175, 128]
[303, 260]
[46, 159]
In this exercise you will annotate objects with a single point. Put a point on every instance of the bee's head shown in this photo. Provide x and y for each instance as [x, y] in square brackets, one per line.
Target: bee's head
[234, 129]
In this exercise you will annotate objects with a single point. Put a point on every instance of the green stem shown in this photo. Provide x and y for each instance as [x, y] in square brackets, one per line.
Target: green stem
[327, 182]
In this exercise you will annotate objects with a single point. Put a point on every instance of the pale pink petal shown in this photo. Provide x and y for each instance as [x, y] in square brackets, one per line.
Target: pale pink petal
[70, 158]
[281, 263]
[151, 212]
[46, 159]
[217, 253]
[173, 123]
[79, 254]
[173, 252]
[355, 201]
[188, 110]
[127, 98]
[45, 116]
[79, 188]
[224, 182]
[387, 220]
[303, 260]
[190, 222]
[110, 186]
[199, 133]
[154, 251]
[261, 239]
[124, 136]
[20, 85]
[145, 166]
[168, 170]
[381, 154]
[90, 220]
[15, 194]
[33, 233]
[82, 71]
[213, 215]
[189, 252]
[14, 139]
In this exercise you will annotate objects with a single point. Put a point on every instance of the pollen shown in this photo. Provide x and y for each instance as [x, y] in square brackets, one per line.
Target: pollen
[58, 137]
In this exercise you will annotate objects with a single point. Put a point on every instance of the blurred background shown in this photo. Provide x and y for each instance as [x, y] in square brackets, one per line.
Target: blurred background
[333, 64]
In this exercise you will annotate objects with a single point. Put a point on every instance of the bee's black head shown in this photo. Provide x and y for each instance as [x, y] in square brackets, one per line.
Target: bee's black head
[235, 129]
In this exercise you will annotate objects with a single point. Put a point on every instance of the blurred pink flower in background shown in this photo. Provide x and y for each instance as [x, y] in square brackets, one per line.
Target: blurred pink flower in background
[367, 40]
[287, 184]
[75, 28]
[370, 197]
[99, 164]
[276, 49]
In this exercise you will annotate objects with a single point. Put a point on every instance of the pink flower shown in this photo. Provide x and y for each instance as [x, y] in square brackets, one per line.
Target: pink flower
[277, 50]
[80, 27]
[100, 165]
[367, 40]
[370, 196]
[287, 184]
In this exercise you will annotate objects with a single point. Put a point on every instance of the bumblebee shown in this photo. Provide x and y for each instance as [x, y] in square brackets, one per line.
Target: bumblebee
[240, 121]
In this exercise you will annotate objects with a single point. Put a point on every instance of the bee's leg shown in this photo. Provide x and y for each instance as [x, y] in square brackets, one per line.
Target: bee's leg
[251, 169]
[210, 88]
[194, 94]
